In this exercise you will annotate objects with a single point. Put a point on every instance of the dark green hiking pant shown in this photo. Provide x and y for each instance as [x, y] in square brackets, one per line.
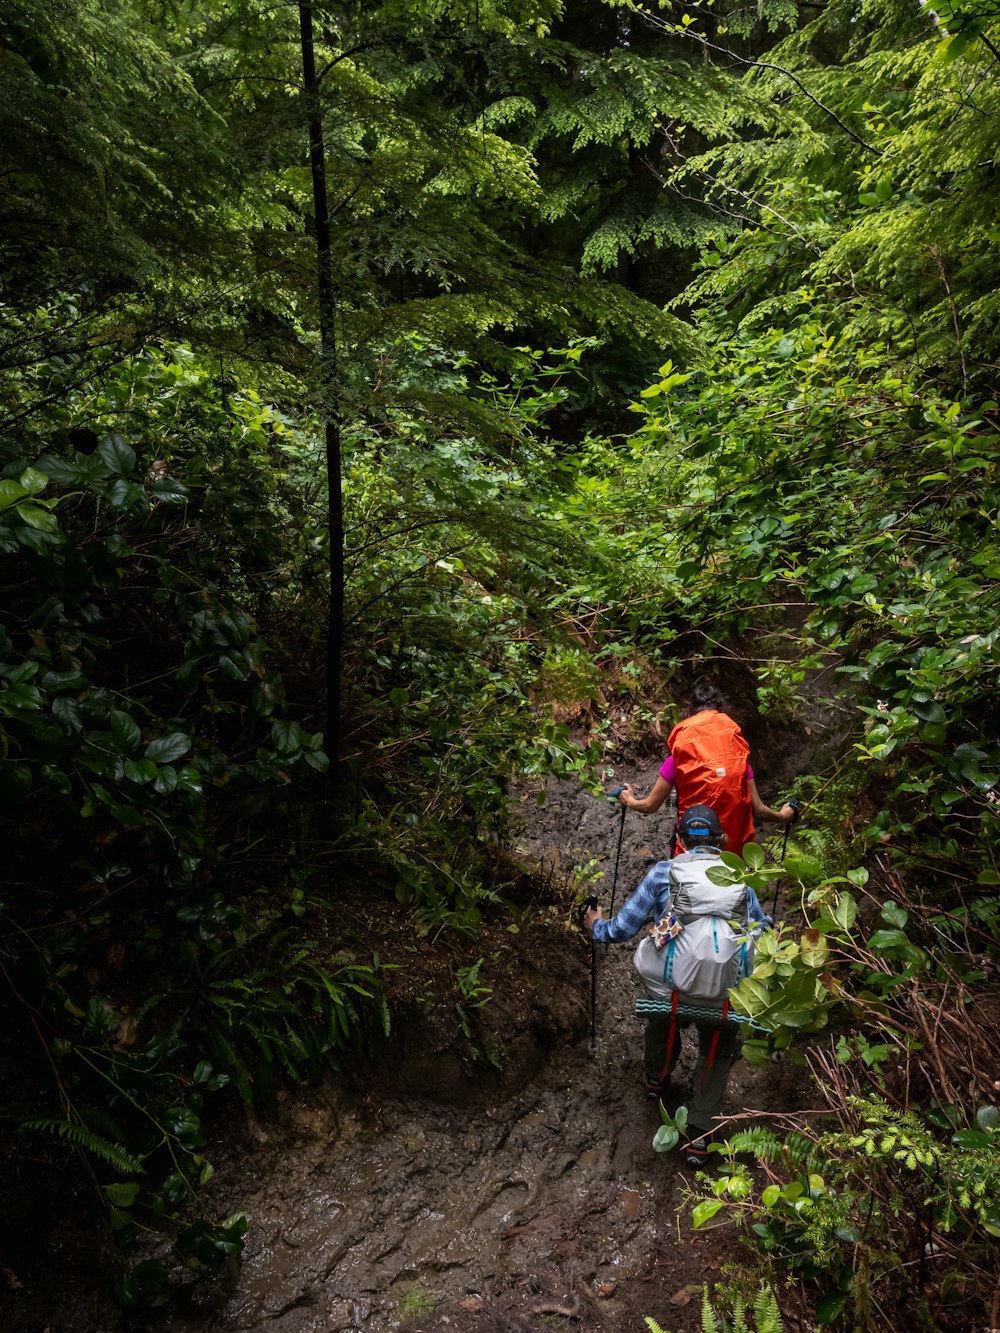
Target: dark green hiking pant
[710, 1078]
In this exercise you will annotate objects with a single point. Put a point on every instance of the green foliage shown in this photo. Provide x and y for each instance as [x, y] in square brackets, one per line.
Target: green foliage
[764, 1315]
[672, 1130]
[472, 996]
[848, 1209]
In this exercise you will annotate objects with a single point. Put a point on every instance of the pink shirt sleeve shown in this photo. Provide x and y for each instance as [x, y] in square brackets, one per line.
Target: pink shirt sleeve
[669, 770]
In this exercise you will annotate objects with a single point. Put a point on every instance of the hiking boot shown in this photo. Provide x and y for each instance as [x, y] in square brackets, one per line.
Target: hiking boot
[696, 1150]
[655, 1089]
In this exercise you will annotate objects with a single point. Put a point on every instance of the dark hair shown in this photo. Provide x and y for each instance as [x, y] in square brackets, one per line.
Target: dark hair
[706, 695]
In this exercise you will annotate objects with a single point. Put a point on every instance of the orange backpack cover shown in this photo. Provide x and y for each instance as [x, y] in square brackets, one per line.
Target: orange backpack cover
[712, 758]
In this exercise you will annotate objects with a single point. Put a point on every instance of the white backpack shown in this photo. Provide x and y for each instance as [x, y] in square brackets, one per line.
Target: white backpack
[695, 948]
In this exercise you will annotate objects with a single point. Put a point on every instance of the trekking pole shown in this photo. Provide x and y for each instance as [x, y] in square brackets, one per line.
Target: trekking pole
[618, 852]
[592, 903]
[784, 843]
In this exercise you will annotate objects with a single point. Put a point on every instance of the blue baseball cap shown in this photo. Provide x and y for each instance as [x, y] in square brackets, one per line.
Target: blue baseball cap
[699, 821]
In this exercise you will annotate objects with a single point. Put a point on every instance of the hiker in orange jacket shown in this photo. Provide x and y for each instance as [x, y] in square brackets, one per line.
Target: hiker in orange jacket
[709, 764]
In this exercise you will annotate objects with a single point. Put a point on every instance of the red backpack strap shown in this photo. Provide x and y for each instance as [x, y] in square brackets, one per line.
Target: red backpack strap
[714, 1045]
[665, 1071]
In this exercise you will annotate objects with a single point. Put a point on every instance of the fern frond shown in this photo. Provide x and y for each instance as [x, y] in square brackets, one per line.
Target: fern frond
[709, 1323]
[85, 1140]
[792, 1150]
[766, 1314]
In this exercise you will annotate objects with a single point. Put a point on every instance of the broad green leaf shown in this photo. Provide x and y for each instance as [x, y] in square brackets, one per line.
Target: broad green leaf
[39, 518]
[287, 737]
[844, 912]
[33, 481]
[971, 1138]
[123, 1194]
[814, 948]
[666, 1138]
[165, 749]
[166, 780]
[704, 1211]
[126, 734]
[894, 914]
[117, 455]
[753, 856]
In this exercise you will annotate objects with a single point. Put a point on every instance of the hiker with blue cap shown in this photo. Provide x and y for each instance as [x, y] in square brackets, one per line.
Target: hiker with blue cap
[698, 946]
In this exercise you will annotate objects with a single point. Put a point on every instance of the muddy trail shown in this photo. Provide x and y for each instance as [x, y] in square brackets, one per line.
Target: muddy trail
[435, 1197]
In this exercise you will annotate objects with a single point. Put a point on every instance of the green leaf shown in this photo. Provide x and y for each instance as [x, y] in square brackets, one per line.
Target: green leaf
[753, 855]
[887, 939]
[843, 912]
[16, 782]
[894, 914]
[166, 781]
[971, 1138]
[807, 869]
[831, 1306]
[399, 697]
[11, 493]
[34, 482]
[126, 734]
[929, 711]
[38, 518]
[666, 1138]
[165, 749]
[988, 1118]
[959, 44]
[100, 1020]
[118, 456]
[122, 1195]
[704, 1211]
[814, 948]
[287, 737]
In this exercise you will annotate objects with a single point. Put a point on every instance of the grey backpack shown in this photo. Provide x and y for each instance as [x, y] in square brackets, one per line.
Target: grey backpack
[703, 944]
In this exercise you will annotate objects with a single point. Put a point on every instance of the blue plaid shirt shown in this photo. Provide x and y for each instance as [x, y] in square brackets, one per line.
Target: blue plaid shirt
[649, 903]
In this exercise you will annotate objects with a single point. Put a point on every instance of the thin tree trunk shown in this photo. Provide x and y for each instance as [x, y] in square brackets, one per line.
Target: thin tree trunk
[328, 371]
